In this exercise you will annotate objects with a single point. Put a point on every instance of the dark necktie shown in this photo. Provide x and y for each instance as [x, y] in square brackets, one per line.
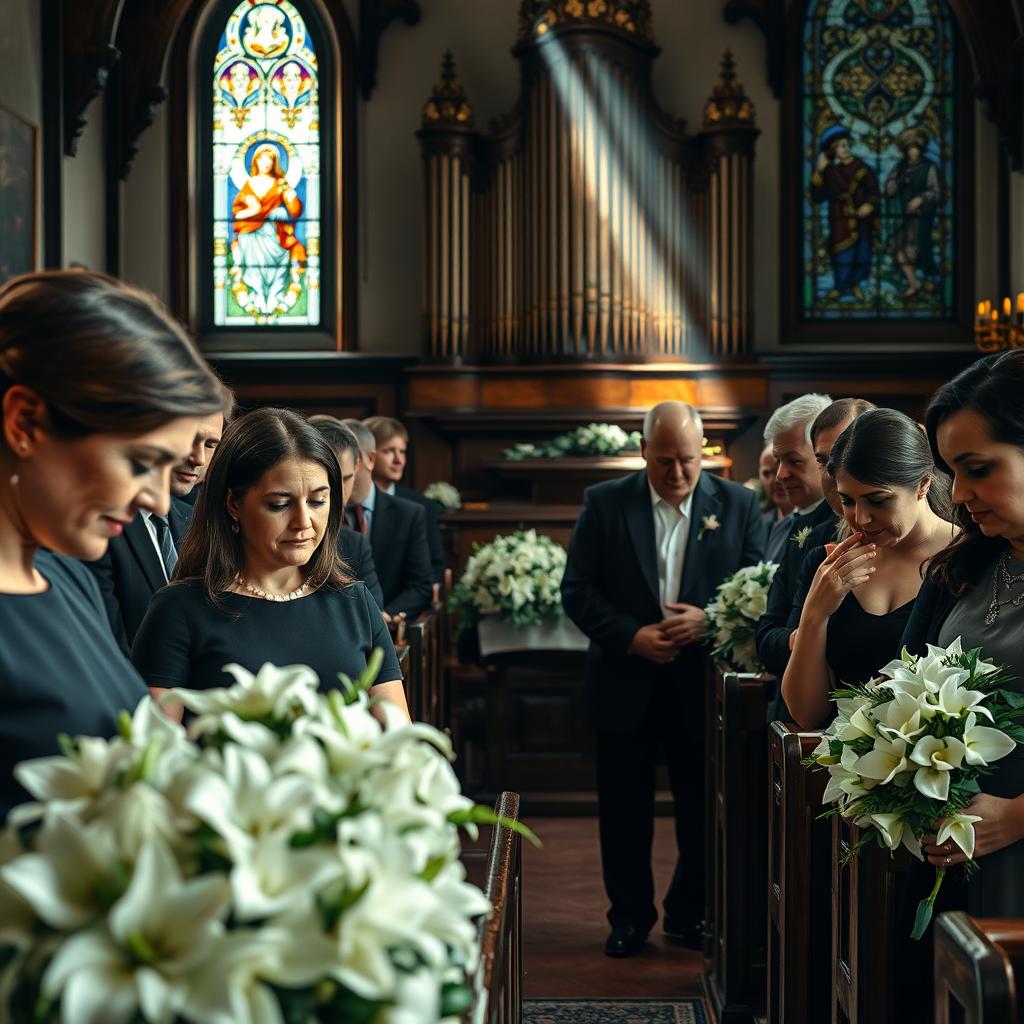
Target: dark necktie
[168, 554]
[360, 518]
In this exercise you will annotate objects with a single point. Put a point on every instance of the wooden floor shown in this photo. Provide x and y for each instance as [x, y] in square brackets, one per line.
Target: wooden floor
[565, 925]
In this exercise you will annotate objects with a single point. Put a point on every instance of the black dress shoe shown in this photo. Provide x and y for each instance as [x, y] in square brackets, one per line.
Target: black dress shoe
[689, 935]
[625, 940]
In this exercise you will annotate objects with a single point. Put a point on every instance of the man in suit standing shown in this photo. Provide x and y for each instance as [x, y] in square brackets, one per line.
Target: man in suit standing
[141, 561]
[397, 530]
[392, 456]
[646, 556]
[779, 508]
[353, 547]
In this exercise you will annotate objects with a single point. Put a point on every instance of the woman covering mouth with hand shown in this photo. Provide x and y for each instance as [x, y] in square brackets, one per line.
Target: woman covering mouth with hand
[854, 601]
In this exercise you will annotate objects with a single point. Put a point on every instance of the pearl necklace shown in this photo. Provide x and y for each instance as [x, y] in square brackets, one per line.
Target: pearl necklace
[262, 594]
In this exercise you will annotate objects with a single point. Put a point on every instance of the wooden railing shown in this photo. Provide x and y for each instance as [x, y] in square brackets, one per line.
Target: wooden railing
[498, 982]
[737, 833]
[423, 669]
[979, 970]
[799, 878]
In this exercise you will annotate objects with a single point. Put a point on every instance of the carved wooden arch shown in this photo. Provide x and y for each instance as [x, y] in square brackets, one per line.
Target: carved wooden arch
[374, 18]
[90, 29]
[185, 191]
[993, 32]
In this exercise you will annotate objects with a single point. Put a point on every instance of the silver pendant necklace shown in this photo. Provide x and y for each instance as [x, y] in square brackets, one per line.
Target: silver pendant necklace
[1009, 580]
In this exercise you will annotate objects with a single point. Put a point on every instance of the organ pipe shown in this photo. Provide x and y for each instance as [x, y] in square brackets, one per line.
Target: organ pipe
[587, 224]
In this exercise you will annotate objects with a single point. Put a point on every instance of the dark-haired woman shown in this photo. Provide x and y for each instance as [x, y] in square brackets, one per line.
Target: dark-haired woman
[102, 394]
[853, 603]
[974, 589]
[259, 578]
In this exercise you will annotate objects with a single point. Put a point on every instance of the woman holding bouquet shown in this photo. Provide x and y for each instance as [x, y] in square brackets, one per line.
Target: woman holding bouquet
[853, 602]
[259, 578]
[102, 394]
[974, 589]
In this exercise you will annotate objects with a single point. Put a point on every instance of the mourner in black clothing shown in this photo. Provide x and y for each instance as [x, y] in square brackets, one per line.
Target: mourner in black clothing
[646, 555]
[397, 531]
[259, 578]
[102, 394]
[141, 561]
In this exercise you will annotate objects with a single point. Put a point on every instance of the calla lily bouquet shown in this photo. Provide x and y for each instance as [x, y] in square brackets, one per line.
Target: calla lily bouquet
[288, 858]
[516, 577]
[739, 601]
[907, 750]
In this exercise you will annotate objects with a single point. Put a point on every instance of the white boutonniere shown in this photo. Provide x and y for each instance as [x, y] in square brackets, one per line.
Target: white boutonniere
[800, 537]
[708, 524]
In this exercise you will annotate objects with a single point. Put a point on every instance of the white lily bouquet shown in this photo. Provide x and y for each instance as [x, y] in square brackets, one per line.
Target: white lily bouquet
[445, 494]
[593, 439]
[907, 749]
[516, 577]
[287, 859]
[733, 613]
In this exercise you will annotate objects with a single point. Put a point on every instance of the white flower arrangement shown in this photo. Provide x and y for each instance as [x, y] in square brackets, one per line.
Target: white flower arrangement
[739, 601]
[595, 439]
[907, 750]
[286, 859]
[445, 494]
[516, 578]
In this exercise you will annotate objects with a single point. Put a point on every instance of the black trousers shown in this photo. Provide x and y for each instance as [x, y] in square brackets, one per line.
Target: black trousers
[672, 731]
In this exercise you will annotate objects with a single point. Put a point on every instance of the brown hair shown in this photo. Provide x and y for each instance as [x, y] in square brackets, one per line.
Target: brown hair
[992, 388]
[104, 357]
[841, 410]
[385, 427]
[251, 445]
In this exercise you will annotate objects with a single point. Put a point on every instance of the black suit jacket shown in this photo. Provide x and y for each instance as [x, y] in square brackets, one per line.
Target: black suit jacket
[610, 587]
[355, 551]
[432, 511]
[129, 574]
[773, 629]
[398, 539]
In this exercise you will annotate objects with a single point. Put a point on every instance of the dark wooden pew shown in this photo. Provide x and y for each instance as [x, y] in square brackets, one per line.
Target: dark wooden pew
[979, 970]
[498, 982]
[799, 880]
[737, 832]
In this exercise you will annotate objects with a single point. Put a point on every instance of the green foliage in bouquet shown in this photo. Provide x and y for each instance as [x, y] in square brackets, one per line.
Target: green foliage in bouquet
[909, 748]
[515, 578]
[593, 439]
[733, 613]
[288, 859]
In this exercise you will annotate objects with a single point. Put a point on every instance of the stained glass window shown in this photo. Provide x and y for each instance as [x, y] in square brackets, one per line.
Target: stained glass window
[266, 170]
[877, 130]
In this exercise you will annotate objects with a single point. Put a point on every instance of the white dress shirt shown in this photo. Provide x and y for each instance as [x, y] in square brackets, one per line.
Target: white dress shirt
[671, 533]
[147, 518]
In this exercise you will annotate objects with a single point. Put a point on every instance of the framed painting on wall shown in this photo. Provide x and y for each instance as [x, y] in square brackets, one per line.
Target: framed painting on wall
[18, 198]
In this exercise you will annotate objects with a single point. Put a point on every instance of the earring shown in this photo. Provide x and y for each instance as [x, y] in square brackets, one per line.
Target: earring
[23, 447]
[15, 479]
[234, 526]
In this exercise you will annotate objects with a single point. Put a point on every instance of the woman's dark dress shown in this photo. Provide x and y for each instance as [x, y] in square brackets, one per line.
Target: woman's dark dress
[61, 670]
[185, 641]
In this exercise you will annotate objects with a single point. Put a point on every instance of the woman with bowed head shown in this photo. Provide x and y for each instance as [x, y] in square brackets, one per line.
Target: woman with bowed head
[102, 394]
[974, 589]
[853, 602]
[258, 577]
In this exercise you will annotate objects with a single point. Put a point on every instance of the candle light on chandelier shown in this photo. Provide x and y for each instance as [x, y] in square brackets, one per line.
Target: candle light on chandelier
[997, 328]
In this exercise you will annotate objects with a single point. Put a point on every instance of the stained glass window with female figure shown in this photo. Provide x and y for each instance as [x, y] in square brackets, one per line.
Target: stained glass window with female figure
[266, 168]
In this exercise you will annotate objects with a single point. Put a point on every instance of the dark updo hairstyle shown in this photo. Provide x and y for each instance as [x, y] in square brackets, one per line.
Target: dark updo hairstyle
[993, 388]
[251, 445]
[886, 448]
[104, 357]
